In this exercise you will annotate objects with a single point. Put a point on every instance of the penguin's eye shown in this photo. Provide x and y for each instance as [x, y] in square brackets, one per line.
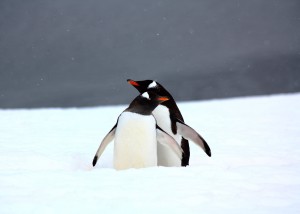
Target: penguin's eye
[146, 95]
[152, 85]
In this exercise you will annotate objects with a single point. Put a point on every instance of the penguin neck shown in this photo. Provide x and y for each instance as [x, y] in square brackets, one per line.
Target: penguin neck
[170, 104]
[173, 108]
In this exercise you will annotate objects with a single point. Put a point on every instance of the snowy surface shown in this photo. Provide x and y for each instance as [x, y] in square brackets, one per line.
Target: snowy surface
[46, 156]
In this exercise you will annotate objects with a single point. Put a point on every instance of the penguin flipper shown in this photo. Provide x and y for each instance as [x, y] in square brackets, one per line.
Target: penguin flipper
[190, 134]
[166, 140]
[106, 140]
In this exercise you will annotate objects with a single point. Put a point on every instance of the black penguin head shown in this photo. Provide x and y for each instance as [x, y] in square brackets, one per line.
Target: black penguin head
[152, 86]
[145, 85]
[146, 102]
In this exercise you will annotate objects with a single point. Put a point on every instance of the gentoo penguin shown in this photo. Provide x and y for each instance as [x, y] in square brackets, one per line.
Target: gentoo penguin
[169, 118]
[136, 135]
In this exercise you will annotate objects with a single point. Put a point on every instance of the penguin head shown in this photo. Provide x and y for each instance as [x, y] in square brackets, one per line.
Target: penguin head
[145, 85]
[146, 102]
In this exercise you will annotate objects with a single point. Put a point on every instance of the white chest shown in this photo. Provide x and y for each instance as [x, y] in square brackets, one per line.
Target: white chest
[166, 156]
[135, 141]
[162, 116]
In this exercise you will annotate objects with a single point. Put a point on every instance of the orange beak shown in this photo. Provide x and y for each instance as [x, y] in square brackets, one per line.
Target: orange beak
[163, 98]
[131, 82]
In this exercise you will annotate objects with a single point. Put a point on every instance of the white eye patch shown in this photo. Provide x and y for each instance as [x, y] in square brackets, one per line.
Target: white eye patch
[146, 95]
[152, 85]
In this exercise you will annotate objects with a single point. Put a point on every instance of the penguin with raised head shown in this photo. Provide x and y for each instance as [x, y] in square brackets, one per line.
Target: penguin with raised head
[169, 118]
[136, 135]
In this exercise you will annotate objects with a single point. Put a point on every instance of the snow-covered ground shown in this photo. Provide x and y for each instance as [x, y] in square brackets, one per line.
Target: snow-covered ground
[46, 162]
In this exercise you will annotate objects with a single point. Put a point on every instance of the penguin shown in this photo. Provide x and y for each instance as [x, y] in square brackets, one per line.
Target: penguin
[170, 119]
[136, 135]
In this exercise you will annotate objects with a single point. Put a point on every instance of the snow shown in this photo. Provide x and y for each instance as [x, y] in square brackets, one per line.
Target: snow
[46, 161]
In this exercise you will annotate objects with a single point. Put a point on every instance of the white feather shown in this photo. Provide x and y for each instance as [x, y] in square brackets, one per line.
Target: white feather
[166, 156]
[135, 143]
[152, 85]
[146, 95]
